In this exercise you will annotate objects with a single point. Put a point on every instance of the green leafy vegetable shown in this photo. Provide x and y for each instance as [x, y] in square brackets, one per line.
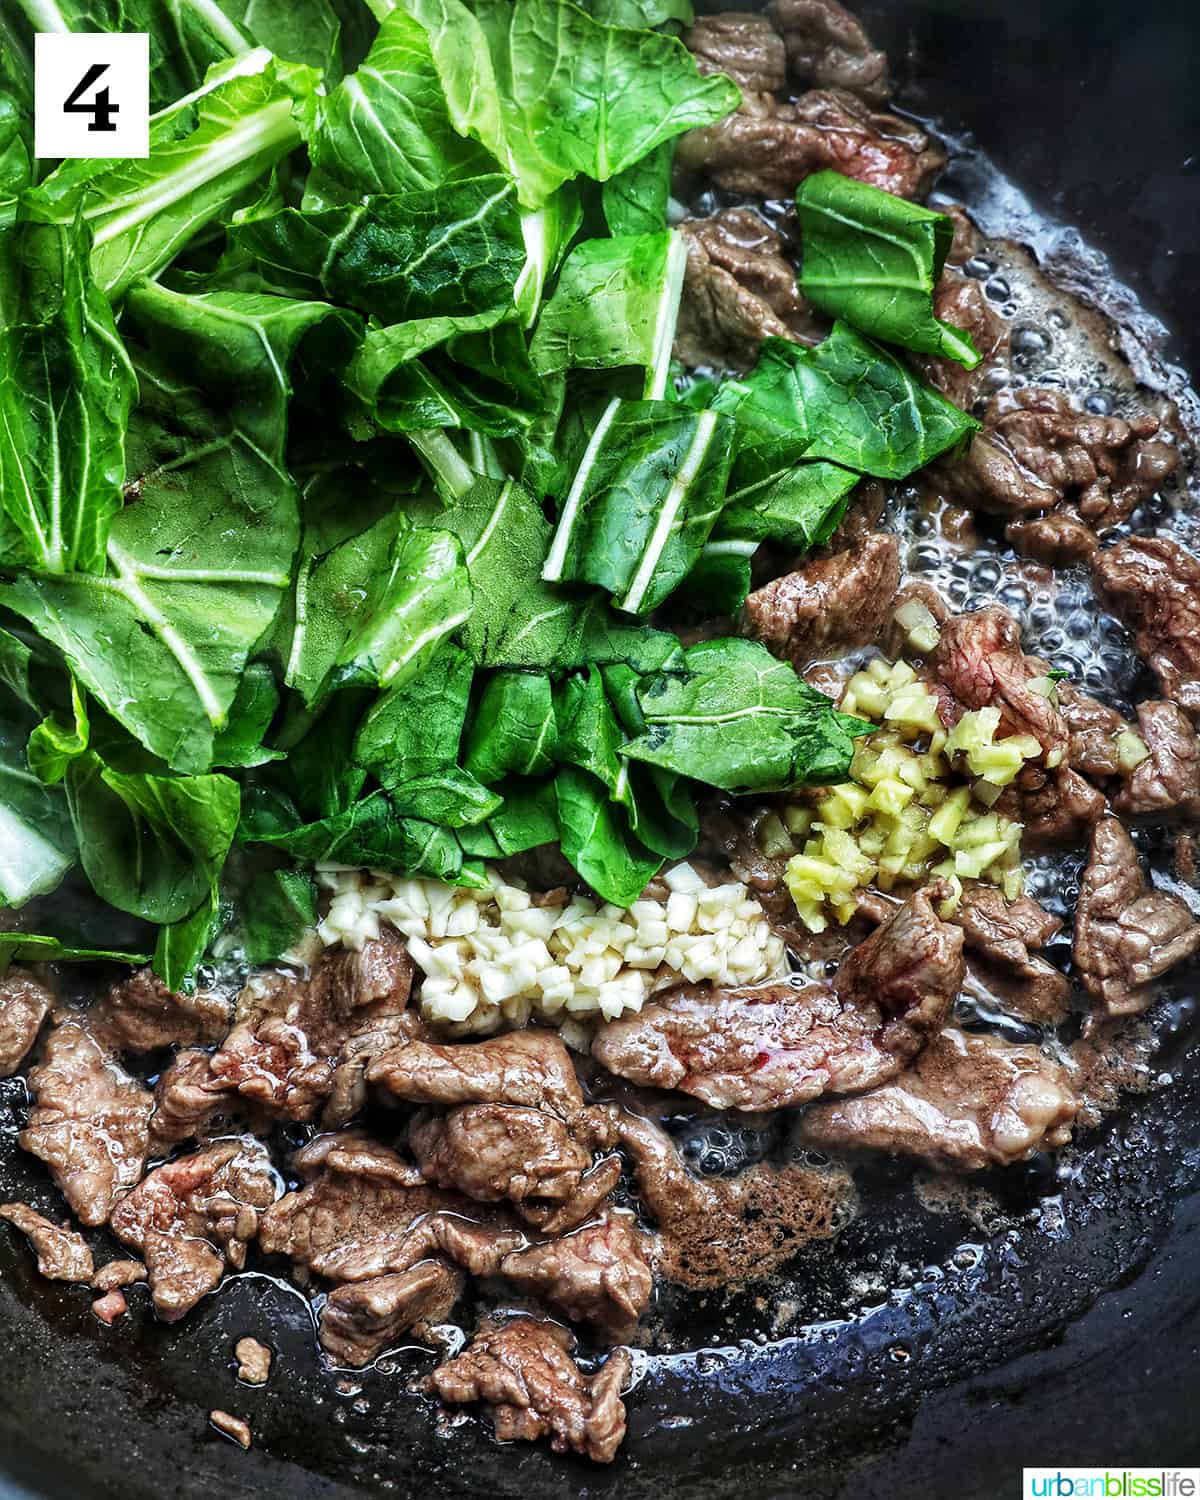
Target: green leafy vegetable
[874, 260]
[36, 947]
[553, 94]
[635, 200]
[734, 717]
[595, 841]
[513, 731]
[66, 387]
[151, 845]
[53, 745]
[37, 846]
[205, 152]
[413, 731]
[181, 945]
[848, 401]
[642, 503]
[281, 905]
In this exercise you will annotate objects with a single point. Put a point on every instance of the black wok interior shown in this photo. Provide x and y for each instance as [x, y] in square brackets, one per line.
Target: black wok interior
[937, 1360]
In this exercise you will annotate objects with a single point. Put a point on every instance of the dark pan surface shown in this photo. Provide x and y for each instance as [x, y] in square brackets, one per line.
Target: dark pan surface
[934, 1359]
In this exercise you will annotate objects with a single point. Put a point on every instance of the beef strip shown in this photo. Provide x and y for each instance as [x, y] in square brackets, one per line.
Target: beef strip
[362, 1319]
[828, 605]
[1153, 586]
[193, 1217]
[738, 288]
[141, 1013]
[90, 1120]
[1039, 452]
[531, 1068]
[62, 1254]
[1167, 783]
[744, 47]
[828, 48]
[118, 1273]
[111, 1306]
[1001, 938]
[24, 1003]
[784, 1044]
[1127, 934]
[366, 1213]
[254, 1361]
[1056, 807]
[598, 1274]
[967, 1101]
[1093, 729]
[189, 1100]
[767, 147]
[978, 663]
[1058, 539]
[493, 1152]
[961, 301]
[523, 1373]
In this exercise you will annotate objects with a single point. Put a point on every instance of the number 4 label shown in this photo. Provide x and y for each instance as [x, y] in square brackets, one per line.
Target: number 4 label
[91, 94]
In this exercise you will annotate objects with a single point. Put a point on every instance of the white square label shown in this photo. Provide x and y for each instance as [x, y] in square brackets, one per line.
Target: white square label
[91, 93]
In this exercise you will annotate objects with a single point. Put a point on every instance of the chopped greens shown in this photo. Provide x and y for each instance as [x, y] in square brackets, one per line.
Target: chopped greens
[342, 472]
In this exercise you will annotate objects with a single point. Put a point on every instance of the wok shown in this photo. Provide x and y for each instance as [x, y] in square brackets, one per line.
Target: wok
[935, 1359]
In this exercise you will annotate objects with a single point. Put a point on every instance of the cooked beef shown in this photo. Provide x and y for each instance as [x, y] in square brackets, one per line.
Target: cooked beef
[599, 1274]
[744, 47]
[1057, 540]
[729, 835]
[1126, 933]
[738, 288]
[117, 1273]
[979, 664]
[862, 517]
[111, 1306]
[967, 1102]
[1094, 730]
[357, 1154]
[194, 1216]
[784, 1044]
[1001, 938]
[366, 1213]
[141, 1013]
[1056, 807]
[493, 1152]
[1038, 451]
[767, 148]
[24, 1002]
[236, 1429]
[362, 1319]
[1168, 781]
[828, 48]
[294, 1036]
[90, 1120]
[254, 1361]
[62, 1254]
[827, 606]
[1153, 585]
[189, 1100]
[531, 1067]
[961, 301]
[893, 641]
[523, 1373]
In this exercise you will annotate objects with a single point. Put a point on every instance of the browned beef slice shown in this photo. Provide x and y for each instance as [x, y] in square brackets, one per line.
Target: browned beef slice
[523, 1373]
[530, 1067]
[366, 1213]
[188, 1099]
[784, 1044]
[599, 1274]
[980, 664]
[90, 1120]
[23, 1006]
[194, 1216]
[828, 48]
[766, 148]
[142, 1014]
[1001, 938]
[362, 1319]
[828, 605]
[744, 47]
[1153, 585]
[1094, 730]
[1168, 781]
[492, 1152]
[967, 1101]
[1126, 934]
[293, 1035]
[960, 300]
[62, 1254]
[118, 1273]
[738, 288]
[1038, 450]
[1056, 807]
[1058, 540]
